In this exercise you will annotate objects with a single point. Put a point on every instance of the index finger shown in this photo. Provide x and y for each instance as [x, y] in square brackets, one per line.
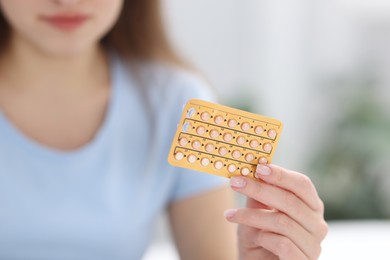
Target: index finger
[295, 182]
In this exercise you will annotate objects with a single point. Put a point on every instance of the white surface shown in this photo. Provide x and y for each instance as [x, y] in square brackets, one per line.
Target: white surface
[158, 251]
[355, 240]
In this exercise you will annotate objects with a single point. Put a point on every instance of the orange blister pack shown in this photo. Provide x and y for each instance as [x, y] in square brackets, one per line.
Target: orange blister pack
[222, 140]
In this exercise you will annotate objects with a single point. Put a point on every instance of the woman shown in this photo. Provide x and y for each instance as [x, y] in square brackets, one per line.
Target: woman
[90, 94]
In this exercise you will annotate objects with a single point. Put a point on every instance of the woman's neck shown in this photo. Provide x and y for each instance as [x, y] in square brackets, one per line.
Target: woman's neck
[25, 68]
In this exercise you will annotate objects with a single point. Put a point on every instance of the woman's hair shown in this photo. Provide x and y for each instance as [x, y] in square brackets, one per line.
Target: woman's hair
[139, 33]
[4, 32]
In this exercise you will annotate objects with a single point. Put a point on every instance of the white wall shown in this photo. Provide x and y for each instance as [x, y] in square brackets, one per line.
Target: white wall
[205, 32]
[256, 47]
[275, 51]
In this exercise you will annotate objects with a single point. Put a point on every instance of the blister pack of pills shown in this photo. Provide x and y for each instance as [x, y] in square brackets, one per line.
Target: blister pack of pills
[222, 140]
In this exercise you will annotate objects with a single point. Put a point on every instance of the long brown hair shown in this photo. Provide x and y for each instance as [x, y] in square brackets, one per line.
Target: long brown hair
[138, 34]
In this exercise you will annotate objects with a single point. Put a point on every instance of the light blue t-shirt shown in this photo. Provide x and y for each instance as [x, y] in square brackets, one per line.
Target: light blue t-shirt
[100, 201]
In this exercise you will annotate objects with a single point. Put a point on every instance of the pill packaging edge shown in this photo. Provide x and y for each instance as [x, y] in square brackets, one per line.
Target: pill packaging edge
[223, 141]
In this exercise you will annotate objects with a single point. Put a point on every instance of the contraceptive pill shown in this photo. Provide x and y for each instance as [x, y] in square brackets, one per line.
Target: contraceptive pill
[222, 140]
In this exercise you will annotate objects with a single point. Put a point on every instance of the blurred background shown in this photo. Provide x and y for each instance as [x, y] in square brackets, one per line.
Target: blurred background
[322, 67]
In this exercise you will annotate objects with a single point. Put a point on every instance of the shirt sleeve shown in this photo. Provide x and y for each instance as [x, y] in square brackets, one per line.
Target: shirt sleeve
[187, 182]
[191, 183]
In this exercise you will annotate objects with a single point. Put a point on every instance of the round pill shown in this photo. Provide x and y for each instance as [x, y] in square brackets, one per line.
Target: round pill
[254, 143]
[191, 158]
[232, 123]
[191, 112]
[249, 157]
[245, 171]
[205, 116]
[218, 120]
[209, 147]
[263, 160]
[196, 144]
[259, 130]
[200, 130]
[222, 151]
[183, 141]
[241, 140]
[227, 137]
[214, 133]
[232, 168]
[218, 165]
[236, 154]
[271, 133]
[179, 156]
[205, 161]
[267, 147]
[245, 126]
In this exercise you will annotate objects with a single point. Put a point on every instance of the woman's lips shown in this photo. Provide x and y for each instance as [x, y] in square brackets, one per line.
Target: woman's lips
[66, 22]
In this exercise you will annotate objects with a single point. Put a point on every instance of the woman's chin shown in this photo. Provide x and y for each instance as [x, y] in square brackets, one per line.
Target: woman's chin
[67, 49]
[67, 53]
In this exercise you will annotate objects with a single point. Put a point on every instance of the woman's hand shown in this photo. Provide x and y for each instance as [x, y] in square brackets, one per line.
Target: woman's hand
[283, 218]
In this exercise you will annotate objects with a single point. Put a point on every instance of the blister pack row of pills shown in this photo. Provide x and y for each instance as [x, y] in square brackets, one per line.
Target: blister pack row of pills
[222, 140]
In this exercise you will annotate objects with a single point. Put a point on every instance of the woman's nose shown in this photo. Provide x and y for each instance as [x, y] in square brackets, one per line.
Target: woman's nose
[66, 2]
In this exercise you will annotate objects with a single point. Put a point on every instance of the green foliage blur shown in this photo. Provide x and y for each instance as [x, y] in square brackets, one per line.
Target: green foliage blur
[352, 162]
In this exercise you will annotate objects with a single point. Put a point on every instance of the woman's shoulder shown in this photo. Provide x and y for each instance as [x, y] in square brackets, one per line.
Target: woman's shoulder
[166, 81]
[173, 84]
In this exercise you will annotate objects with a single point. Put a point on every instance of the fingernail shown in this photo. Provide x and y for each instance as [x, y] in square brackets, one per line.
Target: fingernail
[237, 182]
[230, 213]
[263, 170]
